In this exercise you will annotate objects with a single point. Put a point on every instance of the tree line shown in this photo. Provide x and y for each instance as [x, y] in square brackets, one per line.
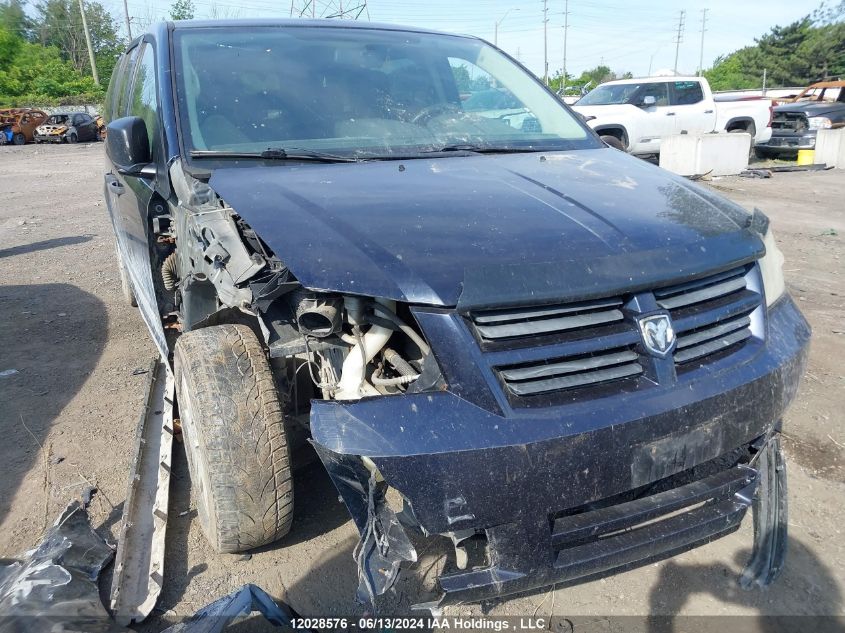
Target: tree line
[808, 50]
[43, 55]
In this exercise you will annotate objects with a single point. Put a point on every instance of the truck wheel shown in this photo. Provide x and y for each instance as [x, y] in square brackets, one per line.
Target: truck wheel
[612, 141]
[235, 437]
[19, 139]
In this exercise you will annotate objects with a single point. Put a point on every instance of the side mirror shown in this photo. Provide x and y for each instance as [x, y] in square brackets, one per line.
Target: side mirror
[648, 101]
[128, 146]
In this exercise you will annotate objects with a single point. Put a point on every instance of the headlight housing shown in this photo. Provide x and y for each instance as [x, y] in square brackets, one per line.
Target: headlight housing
[818, 122]
[771, 269]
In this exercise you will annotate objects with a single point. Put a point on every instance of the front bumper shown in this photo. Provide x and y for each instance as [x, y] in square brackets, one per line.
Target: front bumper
[540, 486]
[49, 138]
[789, 143]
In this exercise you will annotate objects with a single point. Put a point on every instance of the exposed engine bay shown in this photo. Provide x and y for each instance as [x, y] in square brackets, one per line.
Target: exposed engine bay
[214, 268]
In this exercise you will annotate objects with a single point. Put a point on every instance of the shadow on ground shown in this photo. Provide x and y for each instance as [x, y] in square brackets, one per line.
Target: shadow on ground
[44, 245]
[805, 588]
[53, 335]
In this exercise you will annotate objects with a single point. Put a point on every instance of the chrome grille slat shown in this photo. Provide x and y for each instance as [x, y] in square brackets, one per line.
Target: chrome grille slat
[699, 336]
[539, 312]
[559, 383]
[710, 347]
[719, 289]
[698, 283]
[547, 326]
[567, 367]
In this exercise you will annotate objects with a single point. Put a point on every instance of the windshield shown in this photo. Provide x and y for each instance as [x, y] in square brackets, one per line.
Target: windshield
[57, 119]
[359, 92]
[610, 95]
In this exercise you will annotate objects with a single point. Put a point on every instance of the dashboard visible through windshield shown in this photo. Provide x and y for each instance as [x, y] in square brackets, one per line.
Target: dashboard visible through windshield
[367, 93]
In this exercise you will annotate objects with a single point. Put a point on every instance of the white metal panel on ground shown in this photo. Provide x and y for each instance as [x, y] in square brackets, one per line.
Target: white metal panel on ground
[830, 148]
[715, 154]
[139, 563]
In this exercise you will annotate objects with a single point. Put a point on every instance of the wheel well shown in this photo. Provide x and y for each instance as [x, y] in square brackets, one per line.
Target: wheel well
[741, 124]
[615, 131]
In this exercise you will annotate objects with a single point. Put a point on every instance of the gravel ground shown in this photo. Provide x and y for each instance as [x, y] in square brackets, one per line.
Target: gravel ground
[71, 406]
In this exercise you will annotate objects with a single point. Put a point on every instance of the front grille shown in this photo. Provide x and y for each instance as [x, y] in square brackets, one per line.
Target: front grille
[711, 315]
[540, 351]
[789, 122]
[515, 323]
[569, 373]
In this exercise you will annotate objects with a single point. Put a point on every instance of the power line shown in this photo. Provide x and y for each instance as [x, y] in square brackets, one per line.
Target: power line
[546, 42]
[680, 37]
[701, 52]
[565, 33]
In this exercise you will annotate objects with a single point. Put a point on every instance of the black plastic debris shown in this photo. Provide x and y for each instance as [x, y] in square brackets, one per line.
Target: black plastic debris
[53, 588]
[216, 616]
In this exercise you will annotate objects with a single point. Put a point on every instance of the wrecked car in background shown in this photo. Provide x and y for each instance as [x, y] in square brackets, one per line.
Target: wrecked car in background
[70, 127]
[563, 359]
[17, 125]
[795, 125]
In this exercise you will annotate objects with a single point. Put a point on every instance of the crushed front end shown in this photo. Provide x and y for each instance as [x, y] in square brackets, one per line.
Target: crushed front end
[563, 445]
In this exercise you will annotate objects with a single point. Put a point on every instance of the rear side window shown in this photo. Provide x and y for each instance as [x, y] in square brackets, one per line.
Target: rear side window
[686, 92]
[143, 102]
[660, 92]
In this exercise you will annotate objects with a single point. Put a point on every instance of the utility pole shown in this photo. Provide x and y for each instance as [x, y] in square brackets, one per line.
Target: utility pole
[701, 52]
[126, 15]
[88, 42]
[680, 37]
[565, 32]
[545, 42]
[497, 24]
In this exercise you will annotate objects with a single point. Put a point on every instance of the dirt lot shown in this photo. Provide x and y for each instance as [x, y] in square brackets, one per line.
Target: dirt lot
[67, 413]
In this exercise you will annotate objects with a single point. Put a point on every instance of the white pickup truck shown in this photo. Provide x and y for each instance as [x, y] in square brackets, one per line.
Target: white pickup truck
[635, 114]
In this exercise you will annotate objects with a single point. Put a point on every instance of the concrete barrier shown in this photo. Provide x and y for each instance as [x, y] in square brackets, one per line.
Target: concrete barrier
[721, 154]
[830, 148]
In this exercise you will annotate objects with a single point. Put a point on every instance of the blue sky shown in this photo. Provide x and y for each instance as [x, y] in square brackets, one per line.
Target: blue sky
[627, 36]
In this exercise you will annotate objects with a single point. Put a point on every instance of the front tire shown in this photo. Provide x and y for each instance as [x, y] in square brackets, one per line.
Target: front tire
[72, 138]
[235, 437]
[612, 141]
[19, 139]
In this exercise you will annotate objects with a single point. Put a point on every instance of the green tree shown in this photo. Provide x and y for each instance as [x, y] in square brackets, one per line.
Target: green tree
[14, 18]
[35, 74]
[59, 24]
[182, 10]
[803, 52]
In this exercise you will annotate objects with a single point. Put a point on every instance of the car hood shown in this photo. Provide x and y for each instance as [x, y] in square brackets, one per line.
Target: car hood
[487, 230]
[811, 109]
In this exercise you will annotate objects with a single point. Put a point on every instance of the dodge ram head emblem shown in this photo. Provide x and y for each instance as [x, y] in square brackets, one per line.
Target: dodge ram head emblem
[658, 335]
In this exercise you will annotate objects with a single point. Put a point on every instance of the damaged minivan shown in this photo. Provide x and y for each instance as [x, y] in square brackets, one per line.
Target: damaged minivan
[561, 358]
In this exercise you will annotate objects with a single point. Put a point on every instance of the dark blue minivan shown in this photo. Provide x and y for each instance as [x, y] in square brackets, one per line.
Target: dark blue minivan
[401, 246]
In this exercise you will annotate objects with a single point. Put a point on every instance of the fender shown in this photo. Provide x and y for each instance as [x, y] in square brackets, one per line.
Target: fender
[741, 119]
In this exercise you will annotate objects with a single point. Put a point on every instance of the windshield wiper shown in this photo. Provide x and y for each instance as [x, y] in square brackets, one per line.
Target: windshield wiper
[481, 149]
[277, 153]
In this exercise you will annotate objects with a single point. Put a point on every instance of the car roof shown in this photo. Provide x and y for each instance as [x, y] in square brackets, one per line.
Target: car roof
[637, 80]
[303, 22]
